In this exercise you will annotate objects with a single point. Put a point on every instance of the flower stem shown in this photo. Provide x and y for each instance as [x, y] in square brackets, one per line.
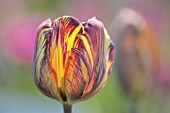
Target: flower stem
[67, 108]
[134, 108]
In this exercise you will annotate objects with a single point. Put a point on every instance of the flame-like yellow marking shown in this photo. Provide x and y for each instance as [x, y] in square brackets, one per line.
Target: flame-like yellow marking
[70, 40]
[87, 46]
[57, 62]
[57, 57]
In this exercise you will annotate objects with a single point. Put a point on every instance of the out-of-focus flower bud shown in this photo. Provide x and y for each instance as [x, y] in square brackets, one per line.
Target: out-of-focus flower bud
[72, 60]
[137, 55]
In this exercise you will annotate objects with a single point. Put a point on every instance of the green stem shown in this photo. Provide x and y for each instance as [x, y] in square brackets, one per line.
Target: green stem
[67, 108]
[134, 108]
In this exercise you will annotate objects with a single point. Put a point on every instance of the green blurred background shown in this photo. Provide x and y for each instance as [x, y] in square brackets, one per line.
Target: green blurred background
[19, 20]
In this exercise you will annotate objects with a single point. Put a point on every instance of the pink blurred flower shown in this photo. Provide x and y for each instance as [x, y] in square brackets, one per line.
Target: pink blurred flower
[4, 2]
[164, 77]
[18, 38]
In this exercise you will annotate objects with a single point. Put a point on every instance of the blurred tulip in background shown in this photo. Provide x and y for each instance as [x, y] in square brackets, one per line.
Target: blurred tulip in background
[137, 53]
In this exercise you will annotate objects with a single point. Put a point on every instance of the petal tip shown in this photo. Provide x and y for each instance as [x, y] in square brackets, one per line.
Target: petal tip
[47, 22]
[95, 21]
[130, 16]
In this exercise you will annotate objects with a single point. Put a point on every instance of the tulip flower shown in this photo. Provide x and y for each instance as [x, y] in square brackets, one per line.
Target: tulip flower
[137, 60]
[72, 60]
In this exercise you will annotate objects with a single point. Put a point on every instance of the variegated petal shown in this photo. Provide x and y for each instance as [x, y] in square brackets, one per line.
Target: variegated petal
[72, 60]
[45, 78]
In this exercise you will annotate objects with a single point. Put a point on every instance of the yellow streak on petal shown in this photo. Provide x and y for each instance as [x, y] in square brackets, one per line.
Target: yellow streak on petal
[87, 46]
[41, 38]
[38, 66]
[57, 61]
[107, 43]
[57, 58]
[84, 74]
[106, 34]
[60, 64]
[73, 36]
[70, 40]
[107, 62]
[40, 50]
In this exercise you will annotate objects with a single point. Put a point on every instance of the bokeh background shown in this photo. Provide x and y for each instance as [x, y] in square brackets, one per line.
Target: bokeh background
[19, 20]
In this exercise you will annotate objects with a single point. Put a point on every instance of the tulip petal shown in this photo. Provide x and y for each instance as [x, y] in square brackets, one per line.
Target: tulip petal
[64, 34]
[74, 85]
[100, 47]
[72, 60]
[95, 44]
[45, 77]
[85, 71]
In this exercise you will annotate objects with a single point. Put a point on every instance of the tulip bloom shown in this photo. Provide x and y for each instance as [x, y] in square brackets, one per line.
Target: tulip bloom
[72, 60]
[138, 53]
